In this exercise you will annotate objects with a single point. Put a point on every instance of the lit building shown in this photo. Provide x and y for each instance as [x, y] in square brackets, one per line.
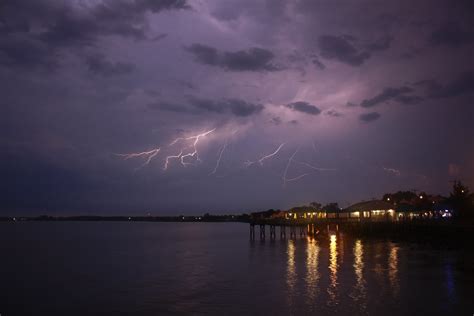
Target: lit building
[375, 210]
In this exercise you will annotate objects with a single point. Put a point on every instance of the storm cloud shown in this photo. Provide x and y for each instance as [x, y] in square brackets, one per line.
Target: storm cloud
[460, 85]
[252, 59]
[399, 95]
[35, 32]
[334, 113]
[195, 105]
[369, 117]
[304, 107]
[452, 34]
[341, 49]
[98, 64]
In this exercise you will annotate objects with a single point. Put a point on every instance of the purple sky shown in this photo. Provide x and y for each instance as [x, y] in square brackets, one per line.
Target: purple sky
[304, 100]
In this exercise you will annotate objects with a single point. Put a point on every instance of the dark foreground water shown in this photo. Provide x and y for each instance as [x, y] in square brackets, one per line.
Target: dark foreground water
[97, 268]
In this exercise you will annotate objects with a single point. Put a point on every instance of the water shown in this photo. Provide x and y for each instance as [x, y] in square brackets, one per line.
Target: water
[123, 268]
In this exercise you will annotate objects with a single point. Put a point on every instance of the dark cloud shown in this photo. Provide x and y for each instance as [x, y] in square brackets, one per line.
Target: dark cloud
[236, 107]
[341, 49]
[208, 105]
[159, 37]
[276, 120]
[462, 84]
[243, 108]
[124, 18]
[452, 34]
[380, 44]
[315, 60]
[253, 59]
[170, 107]
[351, 104]
[399, 95]
[408, 99]
[369, 117]
[204, 54]
[99, 65]
[22, 51]
[333, 113]
[41, 29]
[304, 107]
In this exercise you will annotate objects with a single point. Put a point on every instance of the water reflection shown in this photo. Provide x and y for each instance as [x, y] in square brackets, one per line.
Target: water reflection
[291, 276]
[312, 269]
[448, 270]
[393, 270]
[333, 267]
[359, 293]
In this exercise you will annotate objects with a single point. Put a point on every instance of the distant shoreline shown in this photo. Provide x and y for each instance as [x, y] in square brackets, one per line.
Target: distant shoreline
[87, 218]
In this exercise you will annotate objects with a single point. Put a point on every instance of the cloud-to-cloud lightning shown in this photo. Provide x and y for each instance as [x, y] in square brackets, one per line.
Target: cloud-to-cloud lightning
[292, 160]
[218, 162]
[313, 167]
[194, 153]
[248, 163]
[167, 160]
[149, 155]
[285, 172]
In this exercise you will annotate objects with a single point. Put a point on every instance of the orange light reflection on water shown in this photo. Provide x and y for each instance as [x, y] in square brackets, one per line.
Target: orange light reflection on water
[333, 267]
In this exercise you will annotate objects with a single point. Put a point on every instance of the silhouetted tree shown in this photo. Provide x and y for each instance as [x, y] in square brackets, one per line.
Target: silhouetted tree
[399, 196]
[461, 200]
[332, 208]
[315, 205]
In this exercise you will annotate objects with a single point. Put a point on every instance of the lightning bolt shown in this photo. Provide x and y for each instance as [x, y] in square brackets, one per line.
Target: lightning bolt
[260, 161]
[167, 160]
[191, 148]
[285, 172]
[298, 177]
[248, 163]
[149, 155]
[313, 167]
[194, 149]
[219, 158]
[292, 160]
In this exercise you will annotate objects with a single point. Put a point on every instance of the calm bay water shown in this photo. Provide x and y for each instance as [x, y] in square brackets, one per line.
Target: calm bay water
[96, 268]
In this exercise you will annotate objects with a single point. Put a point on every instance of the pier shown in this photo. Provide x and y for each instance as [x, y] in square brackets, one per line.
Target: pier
[289, 229]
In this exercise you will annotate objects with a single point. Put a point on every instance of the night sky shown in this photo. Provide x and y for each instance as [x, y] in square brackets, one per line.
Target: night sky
[295, 101]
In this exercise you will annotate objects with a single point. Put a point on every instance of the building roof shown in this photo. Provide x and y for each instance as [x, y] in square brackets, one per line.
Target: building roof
[369, 206]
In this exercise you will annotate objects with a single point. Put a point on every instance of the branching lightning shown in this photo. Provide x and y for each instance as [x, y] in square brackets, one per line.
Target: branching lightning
[194, 150]
[191, 148]
[167, 160]
[149, 155]
[188, 155]
[248, 163]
